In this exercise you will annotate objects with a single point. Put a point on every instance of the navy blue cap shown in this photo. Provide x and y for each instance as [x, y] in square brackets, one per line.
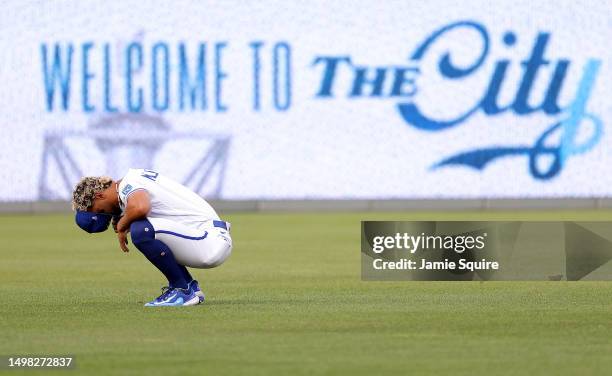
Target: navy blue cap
[93, 222]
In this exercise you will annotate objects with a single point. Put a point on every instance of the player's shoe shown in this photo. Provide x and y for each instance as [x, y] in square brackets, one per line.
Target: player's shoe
[194, 287]
[173, 297]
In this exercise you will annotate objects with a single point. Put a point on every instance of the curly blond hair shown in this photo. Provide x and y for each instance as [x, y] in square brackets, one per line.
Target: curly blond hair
[84, 191]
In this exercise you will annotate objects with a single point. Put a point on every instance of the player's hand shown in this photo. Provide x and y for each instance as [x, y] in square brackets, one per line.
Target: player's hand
[122, 235]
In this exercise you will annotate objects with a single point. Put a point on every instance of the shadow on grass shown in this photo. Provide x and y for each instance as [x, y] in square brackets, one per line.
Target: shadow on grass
[258, 301]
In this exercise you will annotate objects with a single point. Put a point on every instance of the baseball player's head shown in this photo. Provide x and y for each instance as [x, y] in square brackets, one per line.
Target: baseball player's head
[95, 200]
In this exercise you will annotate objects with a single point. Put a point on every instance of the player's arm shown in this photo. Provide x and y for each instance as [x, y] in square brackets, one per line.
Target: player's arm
[115, 221]
[137, 207]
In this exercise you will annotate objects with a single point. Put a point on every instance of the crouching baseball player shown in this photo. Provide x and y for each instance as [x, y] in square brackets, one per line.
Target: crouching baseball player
[171, 225]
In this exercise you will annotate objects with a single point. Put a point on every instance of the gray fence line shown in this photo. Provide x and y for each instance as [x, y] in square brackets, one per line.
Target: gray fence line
[352, 205]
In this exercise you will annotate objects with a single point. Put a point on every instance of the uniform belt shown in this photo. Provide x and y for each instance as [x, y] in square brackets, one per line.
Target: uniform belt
[221, 224]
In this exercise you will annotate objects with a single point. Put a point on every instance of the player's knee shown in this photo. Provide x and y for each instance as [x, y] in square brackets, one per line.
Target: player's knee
[141, 232]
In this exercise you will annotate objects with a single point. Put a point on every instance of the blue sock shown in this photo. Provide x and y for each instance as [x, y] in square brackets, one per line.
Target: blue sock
[158, 253]
[186, 275]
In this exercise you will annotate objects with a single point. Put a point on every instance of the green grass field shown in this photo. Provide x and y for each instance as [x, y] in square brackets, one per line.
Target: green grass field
[289, 301]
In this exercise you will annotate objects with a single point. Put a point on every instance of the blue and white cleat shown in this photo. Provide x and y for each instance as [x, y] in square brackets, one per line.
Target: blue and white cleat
[194, 287]
[174, 297]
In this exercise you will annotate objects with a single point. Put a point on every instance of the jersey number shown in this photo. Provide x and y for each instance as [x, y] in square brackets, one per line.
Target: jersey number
[150, 174]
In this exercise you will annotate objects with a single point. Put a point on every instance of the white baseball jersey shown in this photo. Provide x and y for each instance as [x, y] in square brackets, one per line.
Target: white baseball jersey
[169, 199]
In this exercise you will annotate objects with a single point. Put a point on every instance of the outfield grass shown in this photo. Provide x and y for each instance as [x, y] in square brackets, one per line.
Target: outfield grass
[289, 301]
